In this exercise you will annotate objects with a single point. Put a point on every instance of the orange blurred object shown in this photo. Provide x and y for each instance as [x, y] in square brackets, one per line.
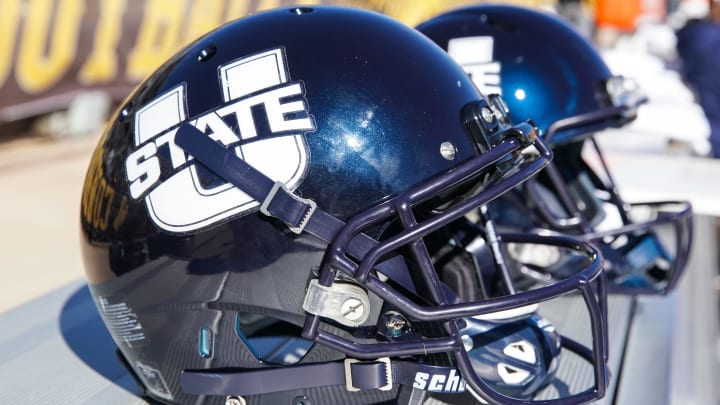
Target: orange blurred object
[618, 14]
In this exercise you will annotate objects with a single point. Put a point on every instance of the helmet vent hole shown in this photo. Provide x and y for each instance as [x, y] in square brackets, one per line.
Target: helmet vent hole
[126, 112]
[301, 10]
[272, 340]
[206, 53]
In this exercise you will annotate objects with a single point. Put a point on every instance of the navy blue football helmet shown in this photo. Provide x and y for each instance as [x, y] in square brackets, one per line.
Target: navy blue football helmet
[545, 69]
[279, 213]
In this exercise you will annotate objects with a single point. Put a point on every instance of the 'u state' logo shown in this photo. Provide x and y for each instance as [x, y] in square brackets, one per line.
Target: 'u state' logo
[263, 120]
[475, 55]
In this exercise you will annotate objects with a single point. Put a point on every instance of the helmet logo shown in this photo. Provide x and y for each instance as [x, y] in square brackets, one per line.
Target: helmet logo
[475, 55]
[439, 382]
[263, 120]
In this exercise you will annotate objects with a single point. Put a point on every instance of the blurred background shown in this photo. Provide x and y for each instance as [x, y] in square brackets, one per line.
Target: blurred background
[66, 64]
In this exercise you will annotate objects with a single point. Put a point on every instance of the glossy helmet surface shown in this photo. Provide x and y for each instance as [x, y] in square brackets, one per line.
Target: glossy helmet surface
[265, 218]
[546, 70]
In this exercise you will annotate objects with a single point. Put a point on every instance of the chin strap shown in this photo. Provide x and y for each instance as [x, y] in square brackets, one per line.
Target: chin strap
[299, 214]
[380, 374]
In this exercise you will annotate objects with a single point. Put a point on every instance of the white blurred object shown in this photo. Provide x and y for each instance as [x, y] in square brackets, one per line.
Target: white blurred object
[657, 39]
[688, 10]
[86, 115]
[671, 121]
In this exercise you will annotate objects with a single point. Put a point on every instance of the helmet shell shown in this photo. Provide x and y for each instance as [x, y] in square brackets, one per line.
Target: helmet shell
[344, 106]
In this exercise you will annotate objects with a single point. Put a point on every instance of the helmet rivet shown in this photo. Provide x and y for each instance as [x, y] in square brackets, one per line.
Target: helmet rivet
[235, 401]
[487, 115]
[352, 309]
[448, 150]
[396, 324]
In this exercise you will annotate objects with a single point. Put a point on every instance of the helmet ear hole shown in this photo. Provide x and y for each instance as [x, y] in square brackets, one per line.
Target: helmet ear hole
[272, 340]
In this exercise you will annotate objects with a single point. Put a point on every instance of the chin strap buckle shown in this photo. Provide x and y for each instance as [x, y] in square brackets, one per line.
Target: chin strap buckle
[283, 204]
[375, 374]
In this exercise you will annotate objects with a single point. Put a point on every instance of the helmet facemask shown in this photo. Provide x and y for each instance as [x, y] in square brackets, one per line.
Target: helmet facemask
[646, 245]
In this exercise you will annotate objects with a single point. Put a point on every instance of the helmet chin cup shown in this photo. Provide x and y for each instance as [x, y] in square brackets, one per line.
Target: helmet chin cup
[515, 357]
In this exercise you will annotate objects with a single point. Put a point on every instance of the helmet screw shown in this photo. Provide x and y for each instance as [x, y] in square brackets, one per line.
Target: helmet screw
[487, 115]
[301, 400]
[448, 150]
[467, 342]
[396, 324]
[231, 400]
[352, 309]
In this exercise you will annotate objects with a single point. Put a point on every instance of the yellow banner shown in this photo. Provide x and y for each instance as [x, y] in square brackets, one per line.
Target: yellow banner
[50, 50]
